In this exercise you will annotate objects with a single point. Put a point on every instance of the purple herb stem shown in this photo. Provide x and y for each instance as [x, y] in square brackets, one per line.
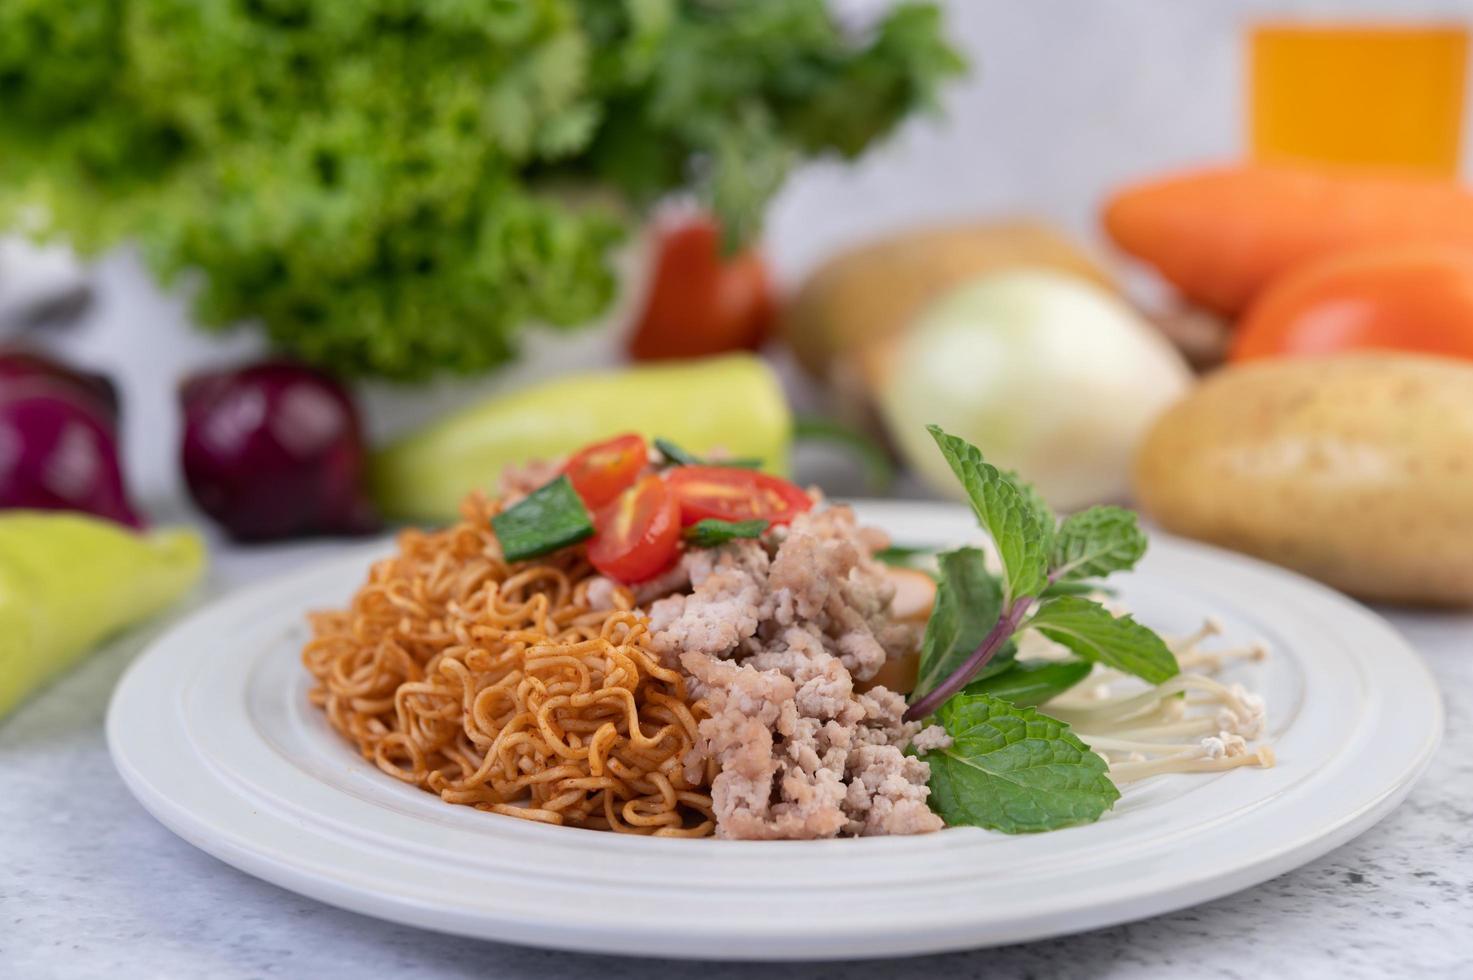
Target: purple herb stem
[1006, 626]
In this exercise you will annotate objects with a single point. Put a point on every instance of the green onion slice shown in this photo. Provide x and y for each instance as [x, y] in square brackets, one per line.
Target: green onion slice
[711, 532]
[549, 518]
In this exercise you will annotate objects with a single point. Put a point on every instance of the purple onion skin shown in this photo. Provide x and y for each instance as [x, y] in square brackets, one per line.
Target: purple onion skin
[17, 365]
[59, 451]
[275, 450]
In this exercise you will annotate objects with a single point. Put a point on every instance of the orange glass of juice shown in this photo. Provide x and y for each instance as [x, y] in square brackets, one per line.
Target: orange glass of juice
[1378, 95]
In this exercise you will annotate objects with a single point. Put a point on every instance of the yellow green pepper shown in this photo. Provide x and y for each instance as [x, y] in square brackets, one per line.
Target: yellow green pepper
[68, 581]
[731, 403]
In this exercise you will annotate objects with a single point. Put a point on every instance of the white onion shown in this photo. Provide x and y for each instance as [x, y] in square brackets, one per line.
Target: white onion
[1048, 375]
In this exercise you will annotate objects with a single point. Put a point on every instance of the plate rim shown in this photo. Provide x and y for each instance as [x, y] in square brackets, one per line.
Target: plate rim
[907, 939]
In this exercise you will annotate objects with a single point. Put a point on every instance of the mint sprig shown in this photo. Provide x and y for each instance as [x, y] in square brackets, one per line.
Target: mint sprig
[903, 555]
[968, 604]
[1095, 542]
[1036, 555]
[1090, 631]
[1074, 587]
[1015, 770]
[1029, 683]
[1010, 768]
[1014, 516]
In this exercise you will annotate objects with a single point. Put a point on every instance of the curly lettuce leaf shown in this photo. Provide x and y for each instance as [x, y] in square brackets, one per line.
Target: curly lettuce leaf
[371, 182]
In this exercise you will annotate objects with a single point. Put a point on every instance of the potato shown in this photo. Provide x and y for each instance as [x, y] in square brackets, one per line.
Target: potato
[870, 292]
[1355, 469]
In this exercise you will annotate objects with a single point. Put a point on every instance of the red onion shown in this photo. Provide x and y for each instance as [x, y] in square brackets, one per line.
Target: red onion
[18, 365]
[275, 450]
[58, 440]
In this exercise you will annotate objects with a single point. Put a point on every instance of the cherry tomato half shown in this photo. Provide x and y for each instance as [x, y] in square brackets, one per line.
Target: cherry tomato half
[602, 471]
[731, 494]
[637, 536]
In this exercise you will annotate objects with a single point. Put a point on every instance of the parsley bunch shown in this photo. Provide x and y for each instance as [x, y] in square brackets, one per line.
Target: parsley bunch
[384, 185]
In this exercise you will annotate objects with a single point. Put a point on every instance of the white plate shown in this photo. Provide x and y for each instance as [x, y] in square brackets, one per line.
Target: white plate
[212, 731]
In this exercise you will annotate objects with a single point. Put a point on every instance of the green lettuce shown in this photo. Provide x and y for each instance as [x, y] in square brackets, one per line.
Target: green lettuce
[395, 187]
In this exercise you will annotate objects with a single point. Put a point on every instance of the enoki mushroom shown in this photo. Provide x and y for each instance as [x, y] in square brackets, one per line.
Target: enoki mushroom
[1191, 723]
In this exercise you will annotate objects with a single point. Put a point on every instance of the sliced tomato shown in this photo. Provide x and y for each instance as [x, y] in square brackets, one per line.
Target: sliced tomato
[731, 494]
[637, 536]
[604, 470]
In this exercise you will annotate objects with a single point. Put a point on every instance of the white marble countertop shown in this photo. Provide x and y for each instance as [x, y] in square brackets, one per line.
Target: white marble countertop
[92, 886]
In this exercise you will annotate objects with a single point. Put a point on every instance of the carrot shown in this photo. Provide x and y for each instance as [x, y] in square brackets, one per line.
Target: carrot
[1221, 235]
[1398, 297]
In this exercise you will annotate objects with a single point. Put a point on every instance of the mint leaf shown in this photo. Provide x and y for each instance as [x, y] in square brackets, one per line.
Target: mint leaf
[1075, 587]
[1015, 770]
[1029, 683]
[710, 532]
[1015, 517]
[1097, 541]
[903, 555]
[675, 455]
[1088, 629]
[968, 604]
[1034, 500]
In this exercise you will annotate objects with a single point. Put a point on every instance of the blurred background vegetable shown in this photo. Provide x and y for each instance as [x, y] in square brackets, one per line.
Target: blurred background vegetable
[732, 404]
[1356, 469]
[19, 365]
[871, 292]
[59, 440]
[1046, 373]
[1389, 297]
[1220, 236]
[395, 190]
[67, 581]
[1352, 468]
[274, 450]
[700, 301]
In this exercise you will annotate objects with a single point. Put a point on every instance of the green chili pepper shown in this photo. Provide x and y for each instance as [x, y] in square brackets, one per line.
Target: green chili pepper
[733, 404]
[68, 581]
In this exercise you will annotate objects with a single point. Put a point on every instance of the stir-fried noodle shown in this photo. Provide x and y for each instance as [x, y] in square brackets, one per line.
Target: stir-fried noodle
[501, 688]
